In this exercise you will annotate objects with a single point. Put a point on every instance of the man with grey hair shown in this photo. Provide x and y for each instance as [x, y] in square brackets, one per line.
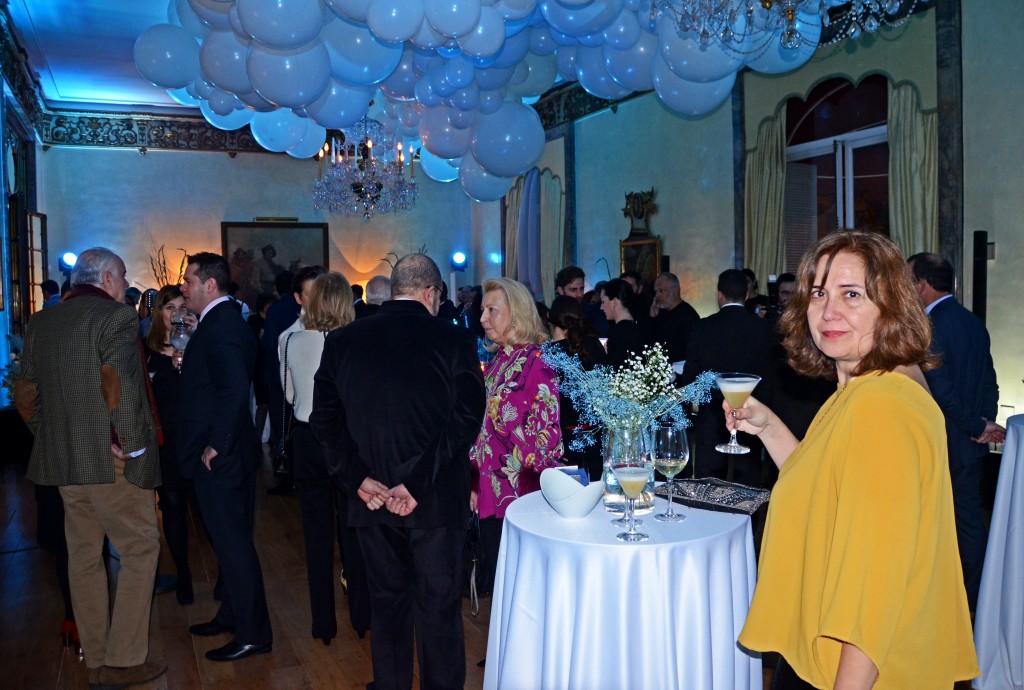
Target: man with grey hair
[88, 407]
[672, 317]
[397, 403]
[378, 291]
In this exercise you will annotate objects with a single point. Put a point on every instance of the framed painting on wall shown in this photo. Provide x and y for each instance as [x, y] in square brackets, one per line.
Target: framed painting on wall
[259, 252]
[642, 256]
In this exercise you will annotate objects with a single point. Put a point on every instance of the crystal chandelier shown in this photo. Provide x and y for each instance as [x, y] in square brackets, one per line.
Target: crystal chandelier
[748, 27]
[363, 172]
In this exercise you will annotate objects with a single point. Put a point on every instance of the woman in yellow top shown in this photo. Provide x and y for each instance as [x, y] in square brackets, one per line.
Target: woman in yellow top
[859, 582]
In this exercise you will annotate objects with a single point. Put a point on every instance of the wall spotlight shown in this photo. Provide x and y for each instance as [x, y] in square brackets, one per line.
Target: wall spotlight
[67, 262]
[459, 261]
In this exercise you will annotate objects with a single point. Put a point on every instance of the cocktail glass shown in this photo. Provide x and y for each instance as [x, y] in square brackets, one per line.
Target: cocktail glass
[736, 387]
[632, 479]
[671, 453]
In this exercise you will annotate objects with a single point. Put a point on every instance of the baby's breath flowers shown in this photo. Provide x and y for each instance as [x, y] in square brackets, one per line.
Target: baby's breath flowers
[639, 393]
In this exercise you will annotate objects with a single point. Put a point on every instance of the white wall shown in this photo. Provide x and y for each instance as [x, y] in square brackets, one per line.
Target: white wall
[133, 203]
[993, 79]
[688, 161]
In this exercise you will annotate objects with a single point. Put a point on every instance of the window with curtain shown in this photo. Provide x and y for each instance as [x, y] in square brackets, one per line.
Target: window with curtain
[837, 162]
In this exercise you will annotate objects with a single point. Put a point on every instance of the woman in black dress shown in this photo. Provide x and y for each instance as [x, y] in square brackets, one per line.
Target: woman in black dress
[572, 333]
[624, 337]
[173, 493]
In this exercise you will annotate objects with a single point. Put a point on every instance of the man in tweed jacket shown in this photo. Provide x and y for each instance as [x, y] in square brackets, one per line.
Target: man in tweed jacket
[83, 394]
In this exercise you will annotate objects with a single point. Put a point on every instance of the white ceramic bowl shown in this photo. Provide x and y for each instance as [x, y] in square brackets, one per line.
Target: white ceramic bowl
[568, 497]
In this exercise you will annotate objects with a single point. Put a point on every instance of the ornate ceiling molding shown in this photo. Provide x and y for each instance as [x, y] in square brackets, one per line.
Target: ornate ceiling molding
[57, 127]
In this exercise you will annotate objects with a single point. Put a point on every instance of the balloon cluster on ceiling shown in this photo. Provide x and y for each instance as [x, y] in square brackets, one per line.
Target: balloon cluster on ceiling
[456, 75]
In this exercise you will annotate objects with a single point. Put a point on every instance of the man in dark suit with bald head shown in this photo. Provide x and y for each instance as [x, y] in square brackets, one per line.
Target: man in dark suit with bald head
[398, 401]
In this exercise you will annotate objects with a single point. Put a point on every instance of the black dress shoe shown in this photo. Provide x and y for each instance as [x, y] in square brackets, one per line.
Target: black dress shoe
[233, 651]
[210, 628]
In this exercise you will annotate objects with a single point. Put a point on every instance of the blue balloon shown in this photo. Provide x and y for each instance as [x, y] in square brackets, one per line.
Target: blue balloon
[632, 68]
[440, 136]
[311, 144]
[402, 82]
[494, 77]
[513, 51]
[222, 58]
[509, 142]
[624, 32]
[689, 97]
[357, 56]
[579, 21]
[425, 93]
[167, 55]
[236, 119]
[685, 56]
[488, 38]
[278, 130]
[594, 77]
[541, 42]
[459, 72]
[282, 24]
[439, 169]
[289, 78]
[184, 97]
[467, 98]
[340, 105]
[479, 184]
[453, 18]
[395, 20]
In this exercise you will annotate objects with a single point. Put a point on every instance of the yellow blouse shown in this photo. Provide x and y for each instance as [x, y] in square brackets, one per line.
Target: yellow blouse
[860, 545]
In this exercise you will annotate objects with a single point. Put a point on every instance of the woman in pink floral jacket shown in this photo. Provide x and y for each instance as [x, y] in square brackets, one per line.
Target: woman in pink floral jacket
[521, 435]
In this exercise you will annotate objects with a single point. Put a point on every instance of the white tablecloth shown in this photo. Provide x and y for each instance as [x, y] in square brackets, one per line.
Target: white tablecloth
[574, 608]
[999, 624]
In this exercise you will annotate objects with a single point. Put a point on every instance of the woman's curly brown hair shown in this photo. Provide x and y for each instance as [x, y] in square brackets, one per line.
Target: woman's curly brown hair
[903, 332]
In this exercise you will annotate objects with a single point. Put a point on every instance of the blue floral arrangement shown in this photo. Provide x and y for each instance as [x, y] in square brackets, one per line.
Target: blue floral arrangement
[636, 395]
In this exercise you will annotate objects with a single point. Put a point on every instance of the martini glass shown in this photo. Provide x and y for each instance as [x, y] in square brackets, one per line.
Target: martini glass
[671, 453]
[632, 479]
[736, 388]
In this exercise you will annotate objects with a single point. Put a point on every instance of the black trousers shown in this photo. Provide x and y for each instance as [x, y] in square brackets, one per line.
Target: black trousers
[490, 543]
[787, 679]
[226, 498]
[324, 511]
[971, 530]
[416, 586]
[173, 495]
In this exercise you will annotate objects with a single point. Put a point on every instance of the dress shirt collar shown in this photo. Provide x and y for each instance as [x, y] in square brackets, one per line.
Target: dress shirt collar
[732, 304]
[928, 309]
[213, 304]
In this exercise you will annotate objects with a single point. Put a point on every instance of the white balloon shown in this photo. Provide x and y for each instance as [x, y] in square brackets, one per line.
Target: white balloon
[167, 55]
[213, 13]
[350, 9]
[510, 141]
[440, 136]
[188, 19]
[685, 56]
[632, 68]
[593, 75]
[453, 18]
[439, 169]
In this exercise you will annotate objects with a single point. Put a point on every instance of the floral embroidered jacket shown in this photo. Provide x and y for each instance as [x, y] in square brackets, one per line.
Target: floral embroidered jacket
[520, 436]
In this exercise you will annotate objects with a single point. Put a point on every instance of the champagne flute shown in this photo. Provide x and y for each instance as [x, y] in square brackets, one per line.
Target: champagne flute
[671, 453]
[181, 333]
[632, 479]
[736, 387]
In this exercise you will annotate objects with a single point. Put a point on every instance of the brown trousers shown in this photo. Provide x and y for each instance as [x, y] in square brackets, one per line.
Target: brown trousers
[126, 514]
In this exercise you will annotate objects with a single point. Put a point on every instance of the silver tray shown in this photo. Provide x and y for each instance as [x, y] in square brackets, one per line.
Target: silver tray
[717, 495]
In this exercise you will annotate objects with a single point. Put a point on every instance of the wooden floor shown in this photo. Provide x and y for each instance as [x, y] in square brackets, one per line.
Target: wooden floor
[31, 611]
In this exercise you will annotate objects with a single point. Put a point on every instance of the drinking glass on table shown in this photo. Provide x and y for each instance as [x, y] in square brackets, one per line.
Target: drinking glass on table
[632, 479]
[736, 387]
[671, 452]
[181, 332]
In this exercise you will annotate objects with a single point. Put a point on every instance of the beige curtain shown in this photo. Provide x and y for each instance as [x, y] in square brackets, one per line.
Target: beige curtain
[511, 249]
[552, 231]
[764, 243]
[913, 173]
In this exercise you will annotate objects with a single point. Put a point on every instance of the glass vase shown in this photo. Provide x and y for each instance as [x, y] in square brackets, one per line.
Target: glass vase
[625, 444]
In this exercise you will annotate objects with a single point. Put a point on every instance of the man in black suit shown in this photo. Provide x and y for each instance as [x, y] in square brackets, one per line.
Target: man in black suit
[672, 318]
[398, 401]
[731, 339]
[965, 388]
[219, 449]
